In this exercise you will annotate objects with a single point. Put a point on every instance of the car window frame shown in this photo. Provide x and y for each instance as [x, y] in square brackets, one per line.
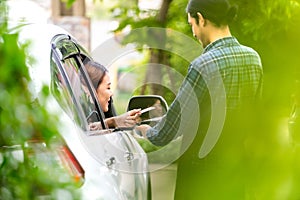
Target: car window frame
[77, 54]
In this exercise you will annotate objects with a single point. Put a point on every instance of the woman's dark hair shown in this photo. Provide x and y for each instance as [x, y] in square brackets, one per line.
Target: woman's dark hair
[219, 12]
[96, 72]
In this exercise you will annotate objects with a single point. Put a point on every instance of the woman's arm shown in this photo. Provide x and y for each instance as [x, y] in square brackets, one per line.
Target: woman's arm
[128, 119]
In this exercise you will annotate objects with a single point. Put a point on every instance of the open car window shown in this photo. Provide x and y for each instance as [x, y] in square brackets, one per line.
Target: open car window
[70, 84]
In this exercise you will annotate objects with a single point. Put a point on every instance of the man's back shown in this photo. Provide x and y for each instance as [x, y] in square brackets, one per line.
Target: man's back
[221, 173]
[239, 67]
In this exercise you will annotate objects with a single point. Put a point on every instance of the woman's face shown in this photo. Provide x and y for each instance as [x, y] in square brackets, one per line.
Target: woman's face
[104, 93]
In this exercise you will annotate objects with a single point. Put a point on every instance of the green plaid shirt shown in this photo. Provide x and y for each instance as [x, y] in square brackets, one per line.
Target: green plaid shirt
[240, 71]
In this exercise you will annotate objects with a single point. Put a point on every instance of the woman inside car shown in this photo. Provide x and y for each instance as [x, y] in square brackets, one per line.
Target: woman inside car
[101, 81]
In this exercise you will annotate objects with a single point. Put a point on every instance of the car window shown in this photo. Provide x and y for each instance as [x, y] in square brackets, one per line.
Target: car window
[59, 88]
[81, 90]
[72, 90]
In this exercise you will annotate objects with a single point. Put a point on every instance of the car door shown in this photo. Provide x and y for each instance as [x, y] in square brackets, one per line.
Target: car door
[118, 154]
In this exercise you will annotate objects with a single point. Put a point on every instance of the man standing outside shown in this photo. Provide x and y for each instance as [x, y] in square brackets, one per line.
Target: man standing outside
[220, 173]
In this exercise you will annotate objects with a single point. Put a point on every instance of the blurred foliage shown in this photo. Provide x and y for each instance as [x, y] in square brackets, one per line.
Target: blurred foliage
[272, 28]
[146, 144]
[26, 172]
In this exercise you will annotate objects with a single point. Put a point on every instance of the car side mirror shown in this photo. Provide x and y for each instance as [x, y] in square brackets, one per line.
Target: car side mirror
[154, 107]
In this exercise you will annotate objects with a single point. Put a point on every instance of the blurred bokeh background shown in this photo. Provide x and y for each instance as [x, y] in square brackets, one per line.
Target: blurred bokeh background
[271, 27]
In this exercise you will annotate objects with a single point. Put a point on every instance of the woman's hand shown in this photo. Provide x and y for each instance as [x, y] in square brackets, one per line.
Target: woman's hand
[95, 126]
[128, 119]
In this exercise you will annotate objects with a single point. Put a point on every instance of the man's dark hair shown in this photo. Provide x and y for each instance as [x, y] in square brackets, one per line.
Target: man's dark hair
[219, 12]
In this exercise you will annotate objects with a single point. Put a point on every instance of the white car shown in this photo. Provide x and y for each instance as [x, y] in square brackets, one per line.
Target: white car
[110, 163]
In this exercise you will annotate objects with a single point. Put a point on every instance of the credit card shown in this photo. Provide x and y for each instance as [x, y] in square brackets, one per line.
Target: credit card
[147, 109]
